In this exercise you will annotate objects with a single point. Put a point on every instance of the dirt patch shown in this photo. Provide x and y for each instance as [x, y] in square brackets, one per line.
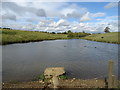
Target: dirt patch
[68, 83]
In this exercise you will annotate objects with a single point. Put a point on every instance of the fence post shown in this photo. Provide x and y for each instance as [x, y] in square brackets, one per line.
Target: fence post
[115, 81]
[110, 73]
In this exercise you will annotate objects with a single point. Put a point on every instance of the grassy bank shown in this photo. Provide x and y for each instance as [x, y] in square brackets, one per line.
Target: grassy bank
[19, 36]
[105, 37]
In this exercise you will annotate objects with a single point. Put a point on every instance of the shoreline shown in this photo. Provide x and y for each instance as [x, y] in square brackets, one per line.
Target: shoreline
[18, 36]
[112, 37]
[31, 41]
[67, 83]
[9, 43]
[101, 41]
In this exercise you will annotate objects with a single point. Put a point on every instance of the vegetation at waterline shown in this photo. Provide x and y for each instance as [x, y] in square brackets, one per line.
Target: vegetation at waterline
[111, 37]
[77, 34]
[19, 36]
[63, 77]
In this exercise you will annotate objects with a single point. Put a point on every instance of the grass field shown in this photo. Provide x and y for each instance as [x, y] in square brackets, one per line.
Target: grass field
[19, 36]
[112, 37]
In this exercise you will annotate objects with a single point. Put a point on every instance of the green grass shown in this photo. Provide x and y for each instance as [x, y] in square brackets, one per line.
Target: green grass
[63, 77]
[19, 36]
[105, 37]
[41, 77]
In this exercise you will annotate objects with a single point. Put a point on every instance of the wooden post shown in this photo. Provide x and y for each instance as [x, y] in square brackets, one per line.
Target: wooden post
[114, 81]
[110, 73]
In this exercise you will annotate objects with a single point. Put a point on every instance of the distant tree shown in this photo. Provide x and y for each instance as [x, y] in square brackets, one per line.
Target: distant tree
[53, 32]
[69, 31]
[106, 30]
[64, 33]
[83, 31]
[7, 28]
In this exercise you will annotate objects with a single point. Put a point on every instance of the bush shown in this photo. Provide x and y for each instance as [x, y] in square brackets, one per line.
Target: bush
[41, 77]
[63, 77]
[53, 33]
[77, 35]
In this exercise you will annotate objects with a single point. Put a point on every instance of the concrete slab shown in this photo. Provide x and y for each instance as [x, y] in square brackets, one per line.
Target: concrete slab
[54, 71]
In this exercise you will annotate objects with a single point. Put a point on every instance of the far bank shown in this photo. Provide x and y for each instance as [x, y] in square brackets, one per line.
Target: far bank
[20, 36]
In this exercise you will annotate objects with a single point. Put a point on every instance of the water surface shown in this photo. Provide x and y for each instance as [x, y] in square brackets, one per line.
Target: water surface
[81, 58]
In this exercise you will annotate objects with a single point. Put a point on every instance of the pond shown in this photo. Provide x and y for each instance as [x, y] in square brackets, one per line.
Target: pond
[81, 59]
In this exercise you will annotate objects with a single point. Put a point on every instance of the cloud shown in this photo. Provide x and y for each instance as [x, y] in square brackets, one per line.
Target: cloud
[41, 13]
[21, 10]
[98, 14]
[61, 0]
[111, 5]
[73, 11]
[12, 7]
[89, 16]
[85, 17]
[52, 26]
[9, 17]
[64, 25]
[29, 27]
[111, 21]
[54, 17]
[62, 22]
[40, 9]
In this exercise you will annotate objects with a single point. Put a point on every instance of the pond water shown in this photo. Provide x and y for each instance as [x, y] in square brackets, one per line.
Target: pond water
[80, 58]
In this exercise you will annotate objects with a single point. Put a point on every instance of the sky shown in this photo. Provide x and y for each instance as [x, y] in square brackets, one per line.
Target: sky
[91, 17]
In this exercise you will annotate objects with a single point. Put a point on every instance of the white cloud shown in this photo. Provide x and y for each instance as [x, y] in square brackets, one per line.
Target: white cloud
[82, 24]
[111, 5]
[98, 14]
[42, 16]
[74, 11]
[41, 9]
[61, 0]
[62, 22]
[86, 17]
[52, 10]
[20, 10]
[99, 19]
[9, 17]
[60, 26]
[89, 16]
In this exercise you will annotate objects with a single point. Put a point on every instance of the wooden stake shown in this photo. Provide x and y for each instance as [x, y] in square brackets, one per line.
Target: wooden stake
[114, 81]
[110, 73]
